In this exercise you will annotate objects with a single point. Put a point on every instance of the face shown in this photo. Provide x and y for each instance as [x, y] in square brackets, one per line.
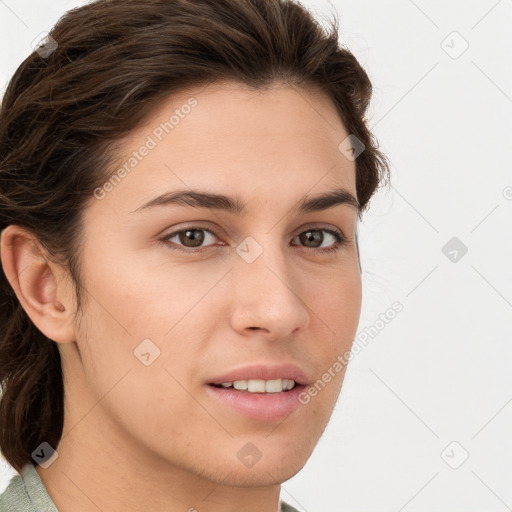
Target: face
[181, 294]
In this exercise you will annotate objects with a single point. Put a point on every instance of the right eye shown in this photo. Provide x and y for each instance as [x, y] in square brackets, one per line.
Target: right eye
[189, 238]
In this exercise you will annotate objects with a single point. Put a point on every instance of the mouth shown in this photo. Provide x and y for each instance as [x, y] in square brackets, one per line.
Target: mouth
[257, 399]
[259, 385]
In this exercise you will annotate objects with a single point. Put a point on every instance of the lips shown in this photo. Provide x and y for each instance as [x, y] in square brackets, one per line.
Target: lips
[259, 405]
[266, 407]
[265, 372]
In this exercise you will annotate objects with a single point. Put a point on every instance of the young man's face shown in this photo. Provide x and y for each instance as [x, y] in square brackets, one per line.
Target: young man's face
[261, 290]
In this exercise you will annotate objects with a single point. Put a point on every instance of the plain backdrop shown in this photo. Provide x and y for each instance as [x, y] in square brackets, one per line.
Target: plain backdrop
[425, 415]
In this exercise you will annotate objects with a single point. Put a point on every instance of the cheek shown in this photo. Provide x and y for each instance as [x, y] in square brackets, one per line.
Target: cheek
[337, 307]
[149, 401]
[336, 302]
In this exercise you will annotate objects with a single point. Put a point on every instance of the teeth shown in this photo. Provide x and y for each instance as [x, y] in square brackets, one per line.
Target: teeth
[240, 384]
[261, 386]
[290, 384]
[256, 386]
[274, 386]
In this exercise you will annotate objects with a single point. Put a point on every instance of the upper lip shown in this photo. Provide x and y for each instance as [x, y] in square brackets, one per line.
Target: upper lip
[263, 371]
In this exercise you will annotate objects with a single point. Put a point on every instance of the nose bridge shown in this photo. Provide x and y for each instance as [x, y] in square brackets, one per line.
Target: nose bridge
[265, 293]
[263, 262]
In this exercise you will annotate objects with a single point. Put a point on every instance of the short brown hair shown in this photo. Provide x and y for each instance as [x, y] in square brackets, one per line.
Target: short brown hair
[63, 112]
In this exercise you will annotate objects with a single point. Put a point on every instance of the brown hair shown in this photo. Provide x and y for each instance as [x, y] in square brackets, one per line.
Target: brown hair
[63, 111]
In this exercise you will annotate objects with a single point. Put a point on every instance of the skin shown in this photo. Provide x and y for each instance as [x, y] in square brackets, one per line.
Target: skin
[149, 437]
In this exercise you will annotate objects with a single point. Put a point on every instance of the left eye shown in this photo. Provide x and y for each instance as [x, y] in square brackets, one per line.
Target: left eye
[193, 238]
[315, 235]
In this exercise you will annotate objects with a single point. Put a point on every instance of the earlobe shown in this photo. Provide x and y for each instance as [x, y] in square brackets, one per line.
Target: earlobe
[41, 290]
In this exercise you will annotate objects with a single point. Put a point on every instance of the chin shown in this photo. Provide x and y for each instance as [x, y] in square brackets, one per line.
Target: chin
[260, 475]
[259, 467]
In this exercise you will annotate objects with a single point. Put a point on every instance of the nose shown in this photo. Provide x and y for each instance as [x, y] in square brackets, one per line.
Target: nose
[266, 297]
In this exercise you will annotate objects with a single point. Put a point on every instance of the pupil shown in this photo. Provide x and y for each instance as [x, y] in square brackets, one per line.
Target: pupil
[189, 237]
[311, 236]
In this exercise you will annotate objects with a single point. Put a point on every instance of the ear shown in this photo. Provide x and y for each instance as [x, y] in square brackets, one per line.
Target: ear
[42, 287]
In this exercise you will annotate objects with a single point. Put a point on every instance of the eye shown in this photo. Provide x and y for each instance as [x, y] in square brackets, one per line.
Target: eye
[313, 239]
[191, 239]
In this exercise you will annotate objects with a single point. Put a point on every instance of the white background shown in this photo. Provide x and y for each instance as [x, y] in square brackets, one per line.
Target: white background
[440, 371]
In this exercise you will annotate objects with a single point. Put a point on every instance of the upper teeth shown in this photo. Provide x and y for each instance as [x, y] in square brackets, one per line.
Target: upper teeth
[261, 386]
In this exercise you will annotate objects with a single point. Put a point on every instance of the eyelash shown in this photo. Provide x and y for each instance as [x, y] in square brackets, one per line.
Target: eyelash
[340, 240]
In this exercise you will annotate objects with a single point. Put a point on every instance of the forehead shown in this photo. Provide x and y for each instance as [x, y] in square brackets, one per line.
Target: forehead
[230, 136]
[279, 112]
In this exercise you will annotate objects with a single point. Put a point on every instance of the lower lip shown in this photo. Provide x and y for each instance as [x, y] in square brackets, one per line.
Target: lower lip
[259, 406]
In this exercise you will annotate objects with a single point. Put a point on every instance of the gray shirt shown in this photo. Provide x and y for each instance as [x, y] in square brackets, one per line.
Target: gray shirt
[27, 493]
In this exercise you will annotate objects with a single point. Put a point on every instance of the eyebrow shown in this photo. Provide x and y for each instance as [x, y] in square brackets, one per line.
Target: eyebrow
[199, 199]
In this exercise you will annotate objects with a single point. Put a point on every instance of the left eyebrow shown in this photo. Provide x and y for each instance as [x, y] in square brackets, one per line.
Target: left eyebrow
[198, 199]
